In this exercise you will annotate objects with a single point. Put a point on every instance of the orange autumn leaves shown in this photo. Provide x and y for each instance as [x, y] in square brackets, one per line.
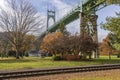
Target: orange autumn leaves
[27, 44]
[58, 43]
[105, 48]
[49, 40]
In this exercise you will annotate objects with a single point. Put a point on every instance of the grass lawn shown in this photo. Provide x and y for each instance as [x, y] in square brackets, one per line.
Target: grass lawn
[36, 62]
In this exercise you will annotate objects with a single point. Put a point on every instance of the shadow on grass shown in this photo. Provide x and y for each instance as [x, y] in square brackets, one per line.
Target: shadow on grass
[17, 60]
[106, 61]
[28, 60]
[24, 60]
[13, 61]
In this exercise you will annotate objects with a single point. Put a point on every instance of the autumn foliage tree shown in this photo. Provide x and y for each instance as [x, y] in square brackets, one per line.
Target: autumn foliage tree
[27, 44]
[105, 47]
[87, 46]
[49, 42]
[113, 25]
[57, 43]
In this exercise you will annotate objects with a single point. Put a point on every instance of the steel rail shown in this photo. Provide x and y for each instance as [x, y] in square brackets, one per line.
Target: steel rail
[28, 73]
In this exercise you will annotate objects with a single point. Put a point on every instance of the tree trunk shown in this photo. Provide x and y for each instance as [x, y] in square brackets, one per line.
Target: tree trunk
[109, 55]
[90, 55]
[17, 54]
[2, 55]
[84, 56]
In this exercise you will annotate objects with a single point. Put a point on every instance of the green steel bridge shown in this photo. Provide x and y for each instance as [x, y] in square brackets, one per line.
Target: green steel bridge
[88, 7]
[88, 10]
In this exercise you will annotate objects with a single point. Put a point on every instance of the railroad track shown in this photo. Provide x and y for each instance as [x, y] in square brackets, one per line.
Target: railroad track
[27, 73]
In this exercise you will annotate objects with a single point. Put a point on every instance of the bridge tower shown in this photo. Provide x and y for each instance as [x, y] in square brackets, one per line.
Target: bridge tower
[50, 14]
[94, 32]
[88, 25]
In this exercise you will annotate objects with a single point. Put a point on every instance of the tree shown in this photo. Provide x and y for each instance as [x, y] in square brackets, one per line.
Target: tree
[113, 25]
[62, 29]
[28, 43]
[19, 19]
[4, 44]
[87, 46]
[50, 43]
[115, 42]
[105, 47]
[57, 43]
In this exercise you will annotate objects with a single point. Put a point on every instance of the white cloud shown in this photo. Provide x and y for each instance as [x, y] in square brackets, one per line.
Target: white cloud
[59, 4]
[2, 3]
[62, 8]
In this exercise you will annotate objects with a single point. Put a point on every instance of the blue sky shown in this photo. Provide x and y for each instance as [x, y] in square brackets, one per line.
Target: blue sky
[62, 7]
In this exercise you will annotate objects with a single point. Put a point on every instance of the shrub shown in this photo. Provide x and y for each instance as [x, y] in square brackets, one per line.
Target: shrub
[12, 53]
[118, 55]
[70, 57]
[57, 58]
[26, 54]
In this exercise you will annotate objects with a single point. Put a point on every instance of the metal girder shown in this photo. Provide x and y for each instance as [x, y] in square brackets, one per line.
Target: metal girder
[94, 6]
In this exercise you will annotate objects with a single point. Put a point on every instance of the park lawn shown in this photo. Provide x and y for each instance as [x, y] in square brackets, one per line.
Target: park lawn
[36, 62]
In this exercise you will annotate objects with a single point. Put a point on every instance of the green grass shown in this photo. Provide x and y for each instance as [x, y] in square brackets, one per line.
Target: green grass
[36, 62]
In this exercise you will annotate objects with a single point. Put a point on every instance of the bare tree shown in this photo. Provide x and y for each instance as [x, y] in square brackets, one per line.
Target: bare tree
[4, 44]
[18, 19]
